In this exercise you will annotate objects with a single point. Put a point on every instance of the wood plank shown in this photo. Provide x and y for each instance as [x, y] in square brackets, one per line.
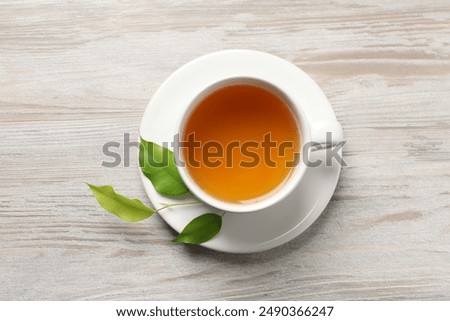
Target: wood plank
[74, 76]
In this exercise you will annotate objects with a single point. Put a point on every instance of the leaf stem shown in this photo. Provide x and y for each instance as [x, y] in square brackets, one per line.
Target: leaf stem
[165, 205]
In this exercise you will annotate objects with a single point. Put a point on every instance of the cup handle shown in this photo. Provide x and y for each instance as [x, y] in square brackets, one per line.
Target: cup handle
[326, 134]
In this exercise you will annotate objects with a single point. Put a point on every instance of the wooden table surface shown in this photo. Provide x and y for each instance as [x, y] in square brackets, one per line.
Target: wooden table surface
[75, 75]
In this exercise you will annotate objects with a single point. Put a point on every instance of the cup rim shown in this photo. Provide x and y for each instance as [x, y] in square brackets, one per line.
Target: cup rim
[279, 193]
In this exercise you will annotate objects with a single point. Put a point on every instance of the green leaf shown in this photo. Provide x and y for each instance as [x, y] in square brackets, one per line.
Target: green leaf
[200, 229]
[131, 210]
[158, 165]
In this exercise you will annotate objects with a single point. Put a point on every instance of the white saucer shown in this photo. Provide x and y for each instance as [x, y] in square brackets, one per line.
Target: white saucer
[241, 232]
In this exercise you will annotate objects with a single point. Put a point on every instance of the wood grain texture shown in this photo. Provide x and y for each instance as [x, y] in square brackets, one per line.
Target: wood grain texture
[74, 75]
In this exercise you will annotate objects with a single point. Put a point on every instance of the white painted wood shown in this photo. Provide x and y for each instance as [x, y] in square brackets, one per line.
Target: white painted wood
[74, 75]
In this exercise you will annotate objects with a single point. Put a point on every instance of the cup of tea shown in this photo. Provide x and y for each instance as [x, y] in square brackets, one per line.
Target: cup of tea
[242, 141]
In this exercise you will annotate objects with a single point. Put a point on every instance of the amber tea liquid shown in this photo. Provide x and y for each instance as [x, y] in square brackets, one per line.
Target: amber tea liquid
[233, 116]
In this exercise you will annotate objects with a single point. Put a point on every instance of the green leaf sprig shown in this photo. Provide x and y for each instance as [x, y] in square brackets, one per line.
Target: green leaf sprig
[130, 210]
[200, 229]
[158, 165]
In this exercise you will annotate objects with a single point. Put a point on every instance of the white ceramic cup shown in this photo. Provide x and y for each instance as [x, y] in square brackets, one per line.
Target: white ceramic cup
[312, 133]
